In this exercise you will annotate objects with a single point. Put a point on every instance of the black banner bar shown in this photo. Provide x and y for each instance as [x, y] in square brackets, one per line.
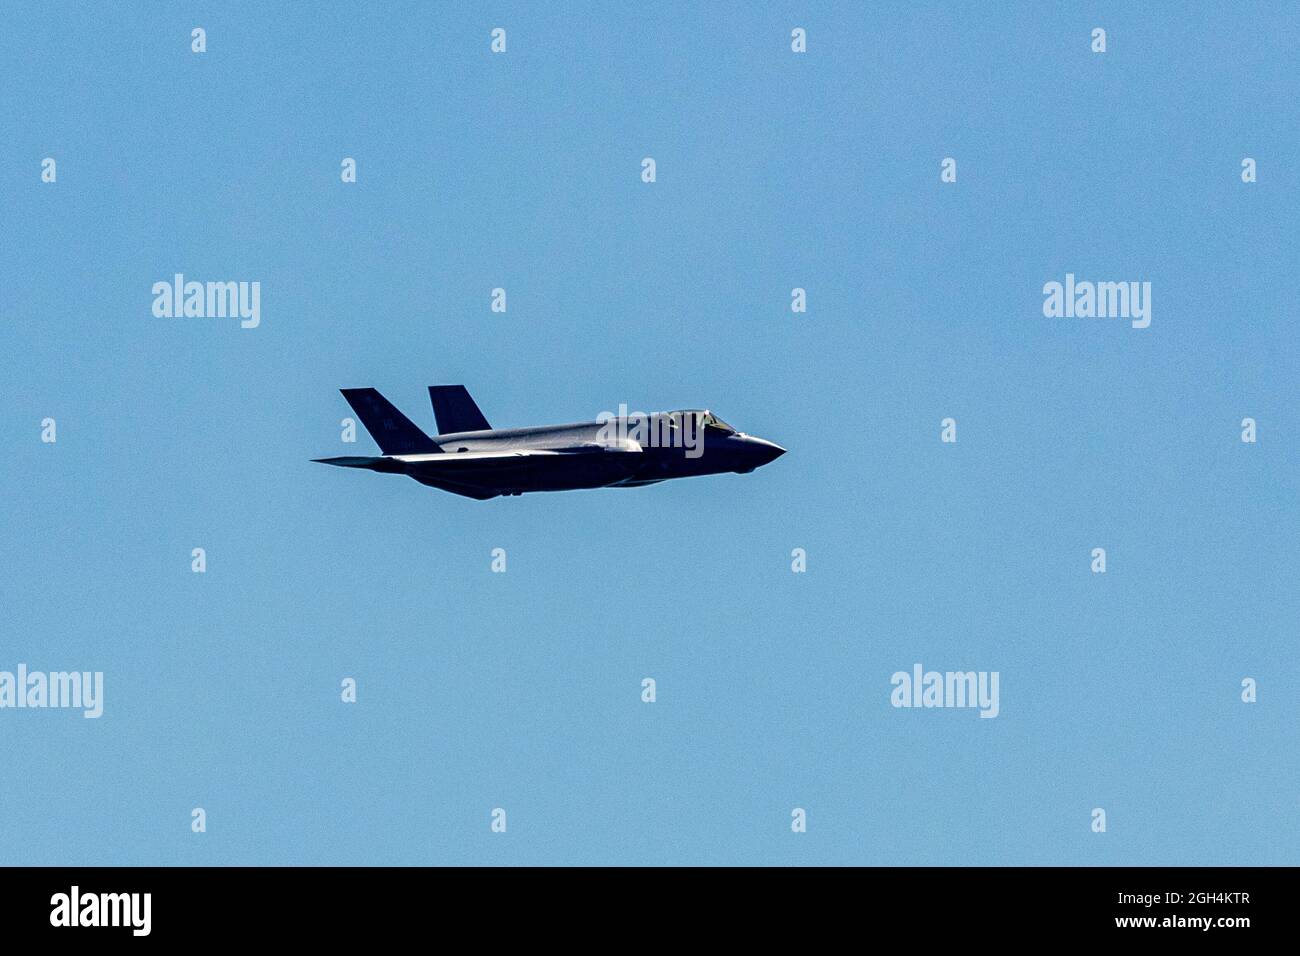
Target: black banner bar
[179, 905]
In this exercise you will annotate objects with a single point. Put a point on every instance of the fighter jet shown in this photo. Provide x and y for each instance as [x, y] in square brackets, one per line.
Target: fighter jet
[469, 457]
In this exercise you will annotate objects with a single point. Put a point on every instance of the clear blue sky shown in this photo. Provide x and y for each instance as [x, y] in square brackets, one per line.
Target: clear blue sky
[522, 690]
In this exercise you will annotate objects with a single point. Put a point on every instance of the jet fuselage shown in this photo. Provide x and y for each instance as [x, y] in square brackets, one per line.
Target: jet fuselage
[614, 452]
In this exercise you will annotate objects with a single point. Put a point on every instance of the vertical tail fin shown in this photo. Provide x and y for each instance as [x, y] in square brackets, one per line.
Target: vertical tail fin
[392, 431]
[455, 410]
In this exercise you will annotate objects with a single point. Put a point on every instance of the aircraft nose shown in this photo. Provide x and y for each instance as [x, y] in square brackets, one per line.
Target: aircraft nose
[766, 451]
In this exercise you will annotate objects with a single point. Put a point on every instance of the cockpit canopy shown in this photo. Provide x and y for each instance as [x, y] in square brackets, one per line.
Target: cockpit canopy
[701, 418]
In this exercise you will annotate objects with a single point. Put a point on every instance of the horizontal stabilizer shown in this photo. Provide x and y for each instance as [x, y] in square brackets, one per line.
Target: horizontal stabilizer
[351, 461]
[390, 466]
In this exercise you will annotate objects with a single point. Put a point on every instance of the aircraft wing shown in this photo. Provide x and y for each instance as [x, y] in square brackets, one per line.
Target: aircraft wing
[496, 472]
[469, 460]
